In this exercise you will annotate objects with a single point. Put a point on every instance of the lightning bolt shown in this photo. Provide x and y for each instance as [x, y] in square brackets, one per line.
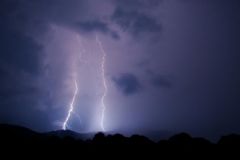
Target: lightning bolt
[64, 127]
[103, 61]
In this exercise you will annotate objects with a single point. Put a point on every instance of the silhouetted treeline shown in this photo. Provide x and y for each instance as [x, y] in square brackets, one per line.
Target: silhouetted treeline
[14, 139]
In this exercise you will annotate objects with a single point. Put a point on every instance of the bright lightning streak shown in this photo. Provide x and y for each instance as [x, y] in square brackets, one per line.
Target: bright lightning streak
[64, 127]
[103, 61]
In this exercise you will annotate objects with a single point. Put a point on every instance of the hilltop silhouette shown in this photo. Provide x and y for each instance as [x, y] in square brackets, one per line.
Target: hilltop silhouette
[19, 139]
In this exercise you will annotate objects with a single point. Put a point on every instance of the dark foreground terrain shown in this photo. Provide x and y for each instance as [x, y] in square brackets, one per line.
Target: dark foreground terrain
[19, 141]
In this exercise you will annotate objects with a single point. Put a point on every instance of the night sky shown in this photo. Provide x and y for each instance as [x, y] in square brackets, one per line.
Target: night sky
[170, 65]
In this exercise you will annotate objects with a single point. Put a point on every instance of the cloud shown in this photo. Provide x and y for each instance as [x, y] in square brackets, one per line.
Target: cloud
[21, 58]
[96, 25]
[135, 22]
[160, 81]
[89, 26]
[128, 83]
[138, 3]
[20, 51]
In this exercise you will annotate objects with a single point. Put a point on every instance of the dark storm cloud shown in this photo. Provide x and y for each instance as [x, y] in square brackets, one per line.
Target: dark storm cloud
[20, 54]
[135, 22]
[21, 59]
[161, 81]
[133, 16]
[35, 16]
[19, 51]
[96, 25]
[128, 83]
[138, 3]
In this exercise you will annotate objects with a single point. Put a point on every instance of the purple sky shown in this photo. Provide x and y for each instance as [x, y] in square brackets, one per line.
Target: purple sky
[171, 65]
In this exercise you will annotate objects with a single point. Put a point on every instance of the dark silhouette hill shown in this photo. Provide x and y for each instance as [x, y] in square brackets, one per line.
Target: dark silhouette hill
[69, 133]
[15, 139]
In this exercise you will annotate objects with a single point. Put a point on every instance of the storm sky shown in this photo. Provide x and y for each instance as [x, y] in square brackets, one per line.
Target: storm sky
[171, 65]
